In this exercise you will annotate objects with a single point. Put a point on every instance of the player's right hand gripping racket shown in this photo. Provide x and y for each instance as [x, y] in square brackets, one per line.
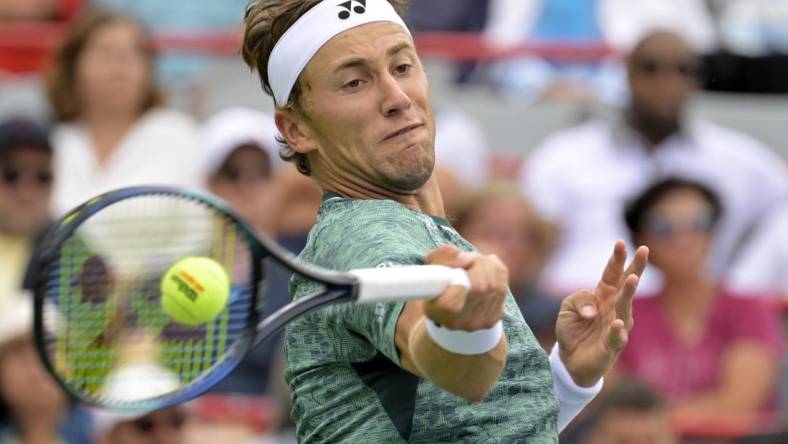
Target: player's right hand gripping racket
[99, 324]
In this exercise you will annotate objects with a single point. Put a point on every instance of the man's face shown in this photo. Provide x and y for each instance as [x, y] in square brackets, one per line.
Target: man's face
[623, 427]
[25, 189]
[244, 181]
[662, 77]
[368, 115]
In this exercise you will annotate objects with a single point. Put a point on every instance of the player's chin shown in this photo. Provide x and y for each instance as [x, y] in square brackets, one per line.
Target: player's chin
[409, 173]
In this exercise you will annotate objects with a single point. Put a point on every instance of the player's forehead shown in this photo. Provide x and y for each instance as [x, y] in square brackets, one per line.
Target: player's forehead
[370, 42]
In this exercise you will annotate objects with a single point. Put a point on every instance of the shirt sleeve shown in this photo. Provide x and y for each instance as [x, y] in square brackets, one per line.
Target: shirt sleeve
[755, 320]
[377, 322]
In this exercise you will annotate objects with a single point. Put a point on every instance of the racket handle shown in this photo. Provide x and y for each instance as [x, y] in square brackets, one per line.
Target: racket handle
[407, 282]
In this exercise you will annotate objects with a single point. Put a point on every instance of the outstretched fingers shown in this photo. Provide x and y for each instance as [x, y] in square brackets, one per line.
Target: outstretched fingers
[639, 262]
[624, 300]
[614, 272]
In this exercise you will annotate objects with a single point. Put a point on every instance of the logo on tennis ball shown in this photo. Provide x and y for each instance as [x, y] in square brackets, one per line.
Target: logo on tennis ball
[194, 290]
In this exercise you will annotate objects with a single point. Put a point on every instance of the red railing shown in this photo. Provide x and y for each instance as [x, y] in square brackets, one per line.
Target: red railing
[25, 46]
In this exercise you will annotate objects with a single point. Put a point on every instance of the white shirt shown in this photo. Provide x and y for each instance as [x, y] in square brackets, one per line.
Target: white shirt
[583, 177]
[161, 149]
[762, 268]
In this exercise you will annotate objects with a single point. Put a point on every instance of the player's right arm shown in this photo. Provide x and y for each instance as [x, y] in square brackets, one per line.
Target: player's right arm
[470, 376]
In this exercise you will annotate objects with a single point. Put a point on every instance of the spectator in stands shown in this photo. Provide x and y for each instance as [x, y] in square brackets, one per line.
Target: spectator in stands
[631, 412]
[762, 268]
[243, 167]
[706, 350]
[498, 220]
[580, 178]
[166, 426]
[113, 129]
[33, 409]
[25, 191]
[241, 155]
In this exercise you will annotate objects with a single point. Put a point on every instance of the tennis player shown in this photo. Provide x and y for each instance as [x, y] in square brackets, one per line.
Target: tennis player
[353, 107]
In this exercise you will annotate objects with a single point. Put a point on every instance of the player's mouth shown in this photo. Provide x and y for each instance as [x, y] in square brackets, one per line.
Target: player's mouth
[402, 131]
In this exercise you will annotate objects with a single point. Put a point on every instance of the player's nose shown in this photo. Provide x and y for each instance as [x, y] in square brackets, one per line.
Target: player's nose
[394, 99]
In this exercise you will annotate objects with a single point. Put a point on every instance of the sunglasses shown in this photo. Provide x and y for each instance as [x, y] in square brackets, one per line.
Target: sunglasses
[148, 424]
[664, 228]
[652, 67]
[13, 176]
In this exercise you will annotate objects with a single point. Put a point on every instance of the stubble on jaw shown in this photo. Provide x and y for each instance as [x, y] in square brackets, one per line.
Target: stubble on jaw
[410, 174]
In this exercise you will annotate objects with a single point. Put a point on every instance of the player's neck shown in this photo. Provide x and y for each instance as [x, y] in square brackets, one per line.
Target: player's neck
[426, 199]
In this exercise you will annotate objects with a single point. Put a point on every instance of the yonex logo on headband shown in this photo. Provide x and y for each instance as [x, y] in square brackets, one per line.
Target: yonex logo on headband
[362, 8]
[309, 33]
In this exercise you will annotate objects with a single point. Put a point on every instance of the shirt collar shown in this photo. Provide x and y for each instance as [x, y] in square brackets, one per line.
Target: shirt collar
[328, 195]
[624, 135]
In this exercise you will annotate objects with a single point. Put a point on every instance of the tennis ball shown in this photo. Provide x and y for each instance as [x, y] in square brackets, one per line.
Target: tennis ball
[194, 290]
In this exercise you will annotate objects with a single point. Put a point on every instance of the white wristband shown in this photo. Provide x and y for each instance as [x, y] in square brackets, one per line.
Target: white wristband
[465, 342]
[571, 397]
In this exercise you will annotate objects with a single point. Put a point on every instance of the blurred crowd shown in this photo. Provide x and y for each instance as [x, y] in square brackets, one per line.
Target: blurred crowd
[708, 348]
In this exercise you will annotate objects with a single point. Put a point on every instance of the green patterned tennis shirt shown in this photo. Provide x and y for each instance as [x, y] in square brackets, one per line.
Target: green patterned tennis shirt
[343, 366]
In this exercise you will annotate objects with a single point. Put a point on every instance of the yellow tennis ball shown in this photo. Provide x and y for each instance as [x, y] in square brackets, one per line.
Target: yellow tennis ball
[194, 290]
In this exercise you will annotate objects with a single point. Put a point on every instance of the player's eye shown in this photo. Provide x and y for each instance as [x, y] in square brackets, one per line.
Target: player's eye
[353, 84]
[403, 69]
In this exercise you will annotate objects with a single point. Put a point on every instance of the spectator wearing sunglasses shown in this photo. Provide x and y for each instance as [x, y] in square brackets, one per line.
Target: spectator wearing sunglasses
[708, 351]
[240, 149]
[580, 178]
[25, 190]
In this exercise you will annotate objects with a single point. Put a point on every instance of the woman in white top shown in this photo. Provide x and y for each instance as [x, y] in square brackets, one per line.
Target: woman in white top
[112, 128]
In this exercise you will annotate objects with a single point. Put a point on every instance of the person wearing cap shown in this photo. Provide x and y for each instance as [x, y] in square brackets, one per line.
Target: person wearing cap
[159, 427]
[242, 166]
[240, 152]
[353, 108]
[25, 190]
[135, 377]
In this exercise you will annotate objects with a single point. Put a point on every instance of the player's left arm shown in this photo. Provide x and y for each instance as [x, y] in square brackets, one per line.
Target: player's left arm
[592, 329]
[593, 326]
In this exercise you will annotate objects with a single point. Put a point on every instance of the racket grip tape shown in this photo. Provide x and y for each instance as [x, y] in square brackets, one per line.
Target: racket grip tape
[408, 282]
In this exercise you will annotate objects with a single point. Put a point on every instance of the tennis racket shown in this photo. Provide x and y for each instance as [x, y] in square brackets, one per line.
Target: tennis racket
[99, 325]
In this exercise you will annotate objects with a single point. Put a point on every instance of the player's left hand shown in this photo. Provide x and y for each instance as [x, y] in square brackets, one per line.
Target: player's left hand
[593, 326]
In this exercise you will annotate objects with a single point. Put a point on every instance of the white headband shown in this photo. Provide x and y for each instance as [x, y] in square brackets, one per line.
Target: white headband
[310, 32]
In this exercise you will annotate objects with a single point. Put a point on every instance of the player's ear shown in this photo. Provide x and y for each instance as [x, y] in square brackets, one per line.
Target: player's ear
[295, 130]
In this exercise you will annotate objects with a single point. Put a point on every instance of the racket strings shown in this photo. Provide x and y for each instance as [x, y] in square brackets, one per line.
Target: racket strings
[107, 328]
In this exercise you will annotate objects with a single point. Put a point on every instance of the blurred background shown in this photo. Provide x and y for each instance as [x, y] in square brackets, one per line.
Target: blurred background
[562, 125]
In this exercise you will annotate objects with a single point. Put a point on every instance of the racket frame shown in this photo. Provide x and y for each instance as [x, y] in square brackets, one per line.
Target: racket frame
[339, 287]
